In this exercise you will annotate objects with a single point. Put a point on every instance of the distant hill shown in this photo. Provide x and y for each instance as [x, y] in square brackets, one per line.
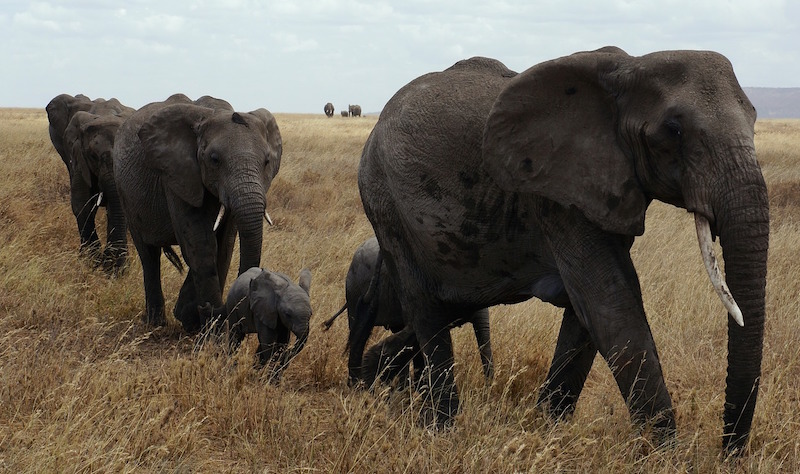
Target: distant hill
[772, 102]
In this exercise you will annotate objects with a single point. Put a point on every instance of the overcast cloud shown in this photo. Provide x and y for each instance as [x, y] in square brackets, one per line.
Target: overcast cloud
[296, 55]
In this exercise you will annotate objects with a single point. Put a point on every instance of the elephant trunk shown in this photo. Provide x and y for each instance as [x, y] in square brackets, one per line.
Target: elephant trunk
[248, 210]
[743, 225]
[116, 234]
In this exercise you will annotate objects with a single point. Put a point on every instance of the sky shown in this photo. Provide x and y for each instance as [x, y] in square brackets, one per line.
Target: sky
[293, 56]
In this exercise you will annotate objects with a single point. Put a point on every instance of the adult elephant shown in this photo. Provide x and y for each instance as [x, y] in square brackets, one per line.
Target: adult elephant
[355, 110]
[387, 312]
[535, 185]
[63, 107]
[328, 109]
[178, 167]
[91, 139]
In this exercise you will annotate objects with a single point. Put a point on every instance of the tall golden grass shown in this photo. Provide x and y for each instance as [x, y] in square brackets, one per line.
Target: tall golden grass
[85, 387]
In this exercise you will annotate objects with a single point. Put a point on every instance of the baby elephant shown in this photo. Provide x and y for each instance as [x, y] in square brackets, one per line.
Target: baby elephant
[384, 310]
[269, 304]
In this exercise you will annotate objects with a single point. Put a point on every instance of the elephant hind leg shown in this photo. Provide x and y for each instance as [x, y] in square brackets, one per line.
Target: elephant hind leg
[571, 363]
[390, 357]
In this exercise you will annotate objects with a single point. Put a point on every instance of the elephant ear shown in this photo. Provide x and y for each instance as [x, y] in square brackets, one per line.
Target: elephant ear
[264, 299]
[169, 138]
[552, 132]
[273, 136]
[73, 139]
[305, 280]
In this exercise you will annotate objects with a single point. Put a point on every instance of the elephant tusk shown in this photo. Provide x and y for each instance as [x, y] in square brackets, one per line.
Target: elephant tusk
[99, 199]
[714, 274]
[219, 217]
[267, 217]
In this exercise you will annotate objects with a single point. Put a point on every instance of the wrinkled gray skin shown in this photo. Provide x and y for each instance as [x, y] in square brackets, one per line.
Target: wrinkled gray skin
[345, 113]
[355, 110]
[91, 139]
[88, 147]
[388, 313]
[328, 109]
[175, 163]
[269, 304]
[486, 187]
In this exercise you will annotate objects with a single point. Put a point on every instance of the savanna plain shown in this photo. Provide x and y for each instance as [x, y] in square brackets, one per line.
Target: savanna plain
[86, 387]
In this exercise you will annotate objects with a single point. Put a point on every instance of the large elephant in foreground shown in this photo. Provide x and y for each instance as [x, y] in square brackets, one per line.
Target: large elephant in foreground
[194, 175]
[387, 312]
[535, 185]
[91, 139]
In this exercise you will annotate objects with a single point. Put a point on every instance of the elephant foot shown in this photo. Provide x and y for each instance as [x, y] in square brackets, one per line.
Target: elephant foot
[439, 415]
[155, 317]
[558, 404]
[114, 262]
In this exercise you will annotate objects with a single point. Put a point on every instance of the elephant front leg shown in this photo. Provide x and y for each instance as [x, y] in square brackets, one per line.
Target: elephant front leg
[572, 361]
[150, 257]
[84, 207]
[604, 290]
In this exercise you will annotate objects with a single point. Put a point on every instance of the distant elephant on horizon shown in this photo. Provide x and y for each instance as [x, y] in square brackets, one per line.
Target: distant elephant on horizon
[195, 176]
[385, 310]
[535, 185]
[355, 110]
[329, 109]
[269, 304]
[345, 113]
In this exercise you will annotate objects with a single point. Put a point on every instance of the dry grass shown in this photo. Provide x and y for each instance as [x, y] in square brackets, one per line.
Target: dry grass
[84, 387]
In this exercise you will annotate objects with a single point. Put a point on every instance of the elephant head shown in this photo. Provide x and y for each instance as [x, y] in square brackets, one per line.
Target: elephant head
[607, 133]
[92, 183]
[227, 157]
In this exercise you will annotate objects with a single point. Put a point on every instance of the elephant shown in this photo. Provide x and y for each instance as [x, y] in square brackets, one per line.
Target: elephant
[63, 107]
[269, 304]
[388, 313]
[355, 110]
[345, 113]
[329, 110]
[91, 142]
[536, 185]
[195, 176]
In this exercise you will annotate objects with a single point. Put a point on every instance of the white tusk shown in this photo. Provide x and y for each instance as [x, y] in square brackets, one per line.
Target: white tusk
[267, 217]
[710, 261]
[219, 216]
[99, 199]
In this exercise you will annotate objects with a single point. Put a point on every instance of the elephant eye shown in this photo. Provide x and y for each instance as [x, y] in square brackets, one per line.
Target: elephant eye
[673, 127]
[214, 157]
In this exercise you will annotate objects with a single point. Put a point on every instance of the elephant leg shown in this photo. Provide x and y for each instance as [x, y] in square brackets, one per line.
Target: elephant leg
[437, 381]
[84, 207]
[603, 286]
[480, 324]
[150, 257]
[186, 305]
[572, 361]
[389, 358]
[419, 366]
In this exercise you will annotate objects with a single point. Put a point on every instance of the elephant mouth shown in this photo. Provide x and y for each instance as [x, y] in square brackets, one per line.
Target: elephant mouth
[221, 214]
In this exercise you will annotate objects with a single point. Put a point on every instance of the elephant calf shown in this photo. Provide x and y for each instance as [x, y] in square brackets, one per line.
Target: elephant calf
[269, 304]
[391, 356]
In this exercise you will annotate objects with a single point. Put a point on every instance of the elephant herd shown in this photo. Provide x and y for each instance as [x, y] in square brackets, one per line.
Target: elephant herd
[352, 110]
[520, 185]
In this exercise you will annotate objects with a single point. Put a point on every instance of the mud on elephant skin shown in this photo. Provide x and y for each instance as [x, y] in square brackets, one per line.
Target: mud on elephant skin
[271, 305]
[381, 307]
[195, 176]
[536, 185]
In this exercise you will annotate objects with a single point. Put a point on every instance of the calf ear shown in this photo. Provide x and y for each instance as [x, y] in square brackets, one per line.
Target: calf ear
[264, 299]
[552, 132]
[169, 139]
[305, 280]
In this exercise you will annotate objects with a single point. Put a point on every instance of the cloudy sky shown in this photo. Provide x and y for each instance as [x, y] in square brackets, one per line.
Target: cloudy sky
[296, 55]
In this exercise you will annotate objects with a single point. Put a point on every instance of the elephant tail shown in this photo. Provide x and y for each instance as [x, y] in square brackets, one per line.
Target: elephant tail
[173, 258]
[329, 322]
[366, 310]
